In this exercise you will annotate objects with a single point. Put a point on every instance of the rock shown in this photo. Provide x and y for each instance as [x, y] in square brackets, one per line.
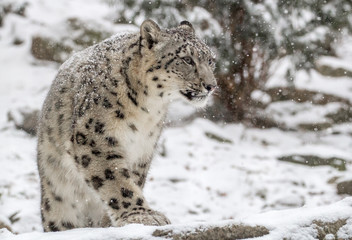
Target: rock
[344, 114]
[333, 71]
[45, 48]
[302, 95]
[17, 41]
[26, 120]
[217, 138]
[86, 34]
[314, 126]
[344, 187]
[224, 233]
[264, 122]
[328, 228]
[77, 36]
[333, 180]
[312, 161]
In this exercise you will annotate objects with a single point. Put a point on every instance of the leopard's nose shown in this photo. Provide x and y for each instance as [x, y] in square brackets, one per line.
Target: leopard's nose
[209, 87]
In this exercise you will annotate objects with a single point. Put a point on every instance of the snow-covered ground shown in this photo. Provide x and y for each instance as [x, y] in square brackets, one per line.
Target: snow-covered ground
[204, 171]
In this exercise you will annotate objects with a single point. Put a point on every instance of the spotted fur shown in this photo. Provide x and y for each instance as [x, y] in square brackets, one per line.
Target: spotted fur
[102, 119]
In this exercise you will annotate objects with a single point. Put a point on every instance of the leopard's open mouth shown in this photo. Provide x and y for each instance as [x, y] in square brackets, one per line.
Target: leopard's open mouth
[193, 95]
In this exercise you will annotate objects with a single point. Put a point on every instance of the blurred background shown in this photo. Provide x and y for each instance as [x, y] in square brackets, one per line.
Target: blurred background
[277, 134]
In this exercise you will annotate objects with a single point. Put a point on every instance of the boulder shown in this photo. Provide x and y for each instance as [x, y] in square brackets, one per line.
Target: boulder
[45, 48]
[227, 232]
[77, 35]
[344, 187]
[25, 120]
[312, 161]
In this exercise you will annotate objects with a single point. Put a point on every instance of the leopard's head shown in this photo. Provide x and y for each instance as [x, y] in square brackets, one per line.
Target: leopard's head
[178, 63]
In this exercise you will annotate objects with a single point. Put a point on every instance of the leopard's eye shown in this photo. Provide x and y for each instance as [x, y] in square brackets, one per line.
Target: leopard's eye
[188, 60]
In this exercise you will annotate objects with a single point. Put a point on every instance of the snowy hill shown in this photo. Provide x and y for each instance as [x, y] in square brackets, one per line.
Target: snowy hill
[289, 180]
[303, 223]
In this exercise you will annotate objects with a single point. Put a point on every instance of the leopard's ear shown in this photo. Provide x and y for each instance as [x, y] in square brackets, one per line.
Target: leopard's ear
[186, 26]
[150, 32]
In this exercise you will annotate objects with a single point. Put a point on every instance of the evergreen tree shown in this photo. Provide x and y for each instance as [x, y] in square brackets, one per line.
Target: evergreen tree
[248, 35]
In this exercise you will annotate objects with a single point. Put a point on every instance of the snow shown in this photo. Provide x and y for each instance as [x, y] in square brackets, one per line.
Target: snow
[199, 14]
[127, 232]
[260, 96]
[293, 114]
[195, 179]
[296, 223]
[344, 51]
[341, 86]
[335, 62]
[278, 71]
[292, 224]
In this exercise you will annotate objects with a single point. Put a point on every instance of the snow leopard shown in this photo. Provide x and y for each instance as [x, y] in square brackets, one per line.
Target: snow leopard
[102, 118]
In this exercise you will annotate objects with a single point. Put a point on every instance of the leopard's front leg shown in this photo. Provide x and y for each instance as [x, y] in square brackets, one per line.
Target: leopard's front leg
[140, 213]
[117, 187]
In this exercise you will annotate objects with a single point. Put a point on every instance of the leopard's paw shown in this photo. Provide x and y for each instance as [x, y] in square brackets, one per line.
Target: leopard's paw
[143, 216]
